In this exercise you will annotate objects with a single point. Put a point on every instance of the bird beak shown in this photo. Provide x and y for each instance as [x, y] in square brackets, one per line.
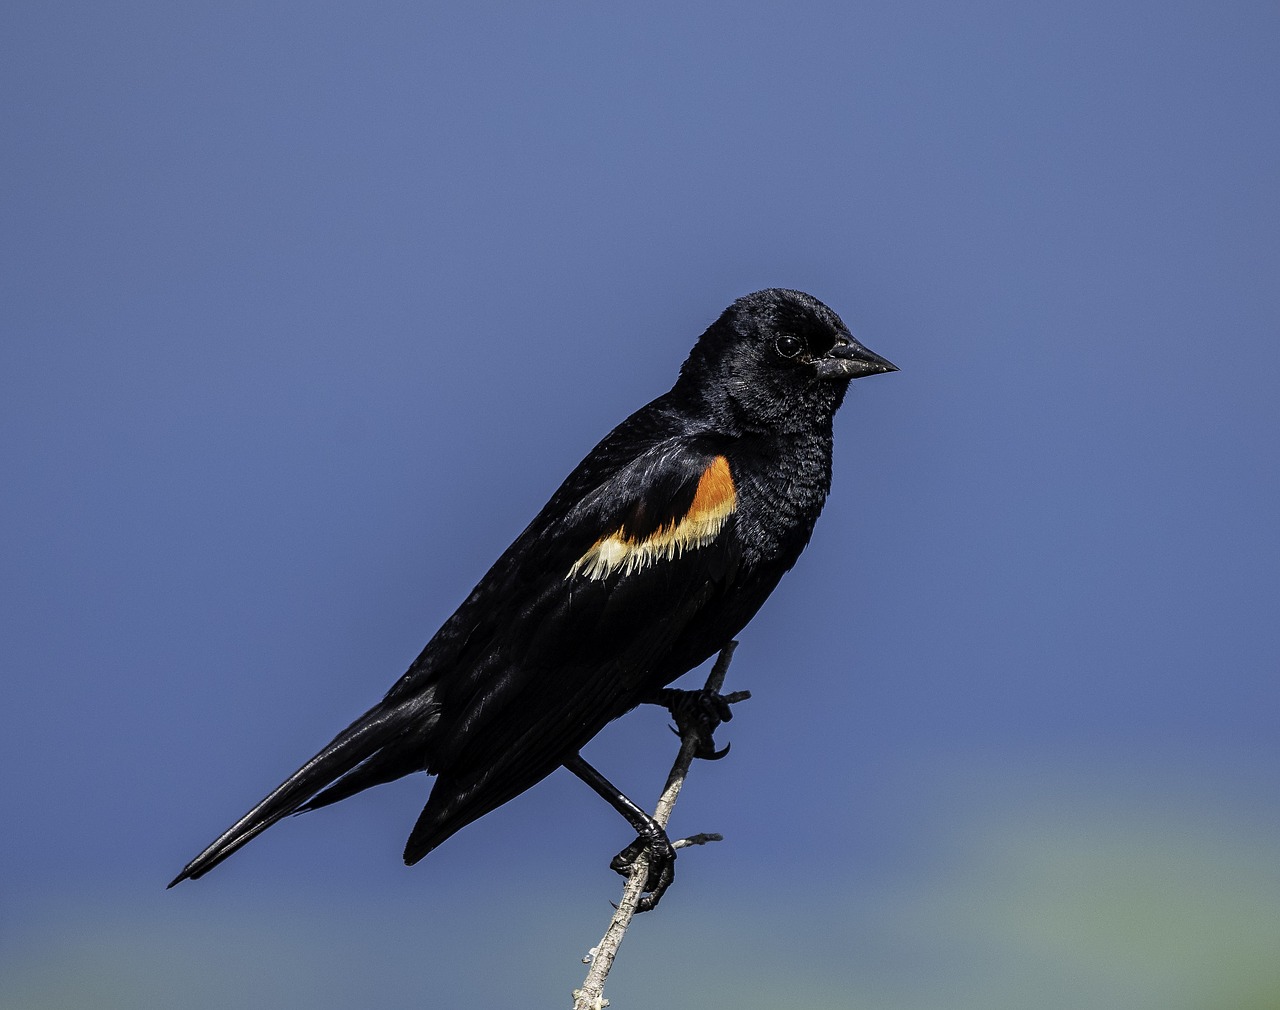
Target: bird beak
[850, 360]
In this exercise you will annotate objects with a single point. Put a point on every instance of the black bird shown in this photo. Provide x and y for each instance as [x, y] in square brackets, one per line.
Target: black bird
[654, 552]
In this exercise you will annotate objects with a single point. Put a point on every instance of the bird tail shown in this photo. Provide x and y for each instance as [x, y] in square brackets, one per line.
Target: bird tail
[352, 760]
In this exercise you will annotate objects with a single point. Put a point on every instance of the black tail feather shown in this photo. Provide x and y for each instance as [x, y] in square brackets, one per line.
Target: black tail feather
[395, 760]
[453, 805]
[358, 743]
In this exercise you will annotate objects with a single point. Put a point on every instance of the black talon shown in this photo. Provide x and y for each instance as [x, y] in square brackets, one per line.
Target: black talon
[661, 866]
[624, 860]
[700, 712]
[651, 838]
[715, 755]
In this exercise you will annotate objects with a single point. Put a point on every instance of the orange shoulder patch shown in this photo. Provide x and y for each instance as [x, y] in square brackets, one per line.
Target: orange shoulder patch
[716, 494]
[713, 502]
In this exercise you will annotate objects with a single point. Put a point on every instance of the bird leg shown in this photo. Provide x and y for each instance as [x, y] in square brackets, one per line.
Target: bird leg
[700, 712]
[650, 837]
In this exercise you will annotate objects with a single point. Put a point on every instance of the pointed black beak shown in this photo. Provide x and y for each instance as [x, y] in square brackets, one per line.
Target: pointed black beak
[848, 359]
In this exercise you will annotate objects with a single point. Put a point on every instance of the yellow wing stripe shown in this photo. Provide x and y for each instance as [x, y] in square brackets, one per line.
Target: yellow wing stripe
[713, 503]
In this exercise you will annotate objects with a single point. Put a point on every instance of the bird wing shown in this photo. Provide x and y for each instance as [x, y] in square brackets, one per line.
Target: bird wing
[593, 604]
[604, 598]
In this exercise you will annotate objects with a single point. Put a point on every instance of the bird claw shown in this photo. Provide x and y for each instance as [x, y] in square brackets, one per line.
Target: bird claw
[701, 713]
[661, 868]
[706, 750]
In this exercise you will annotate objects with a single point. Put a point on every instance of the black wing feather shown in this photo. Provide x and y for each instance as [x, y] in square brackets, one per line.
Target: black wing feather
[583, 650]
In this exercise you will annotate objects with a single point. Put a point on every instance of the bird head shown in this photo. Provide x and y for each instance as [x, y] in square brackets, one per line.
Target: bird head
[777, 360]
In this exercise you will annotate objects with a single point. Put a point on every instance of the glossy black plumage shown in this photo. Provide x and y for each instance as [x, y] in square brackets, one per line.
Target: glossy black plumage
[656, 550]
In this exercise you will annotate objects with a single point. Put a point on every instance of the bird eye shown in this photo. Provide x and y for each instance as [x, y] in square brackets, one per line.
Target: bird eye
[788, 346]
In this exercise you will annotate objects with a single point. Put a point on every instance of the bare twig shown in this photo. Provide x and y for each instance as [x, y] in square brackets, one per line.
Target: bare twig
[591, 995]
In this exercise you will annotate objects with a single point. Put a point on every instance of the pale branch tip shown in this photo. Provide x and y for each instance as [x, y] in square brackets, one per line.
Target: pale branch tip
[701, 838]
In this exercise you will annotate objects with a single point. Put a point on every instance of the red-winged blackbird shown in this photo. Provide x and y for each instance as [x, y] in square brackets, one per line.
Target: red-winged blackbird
[658, 548]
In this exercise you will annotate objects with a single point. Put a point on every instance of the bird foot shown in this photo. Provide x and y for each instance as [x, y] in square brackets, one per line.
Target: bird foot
[700, 712]
[661, 866]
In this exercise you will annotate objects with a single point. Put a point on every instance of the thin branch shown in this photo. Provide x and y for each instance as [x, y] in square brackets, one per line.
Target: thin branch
[591, 995]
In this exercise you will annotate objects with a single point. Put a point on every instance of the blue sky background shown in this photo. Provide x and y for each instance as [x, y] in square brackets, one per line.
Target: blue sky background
[306, 310]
